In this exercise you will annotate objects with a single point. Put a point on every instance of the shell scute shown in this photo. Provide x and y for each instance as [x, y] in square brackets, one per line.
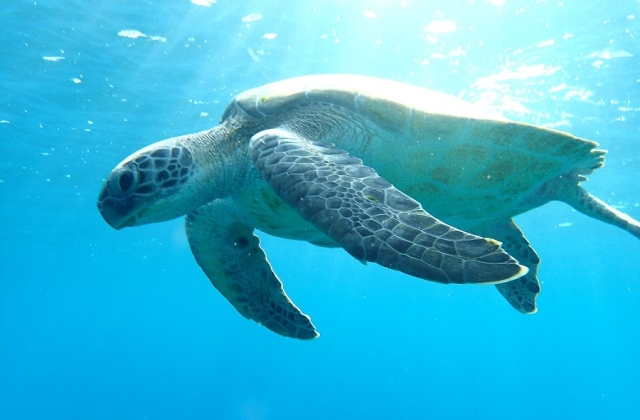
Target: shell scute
[389, 115]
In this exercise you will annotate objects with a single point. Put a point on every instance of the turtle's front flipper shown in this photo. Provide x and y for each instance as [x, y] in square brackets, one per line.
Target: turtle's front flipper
[230, 255]
[370, 218]
[520, 293]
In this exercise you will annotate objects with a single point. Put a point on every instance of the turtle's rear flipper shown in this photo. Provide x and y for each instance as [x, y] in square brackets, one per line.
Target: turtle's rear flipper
[567, 189]
[230, 255]
[371, 219]
[520, 293]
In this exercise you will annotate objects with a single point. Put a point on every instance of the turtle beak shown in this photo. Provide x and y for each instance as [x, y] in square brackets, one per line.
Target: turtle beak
[134, 209]
[120, 224]
[116, 212]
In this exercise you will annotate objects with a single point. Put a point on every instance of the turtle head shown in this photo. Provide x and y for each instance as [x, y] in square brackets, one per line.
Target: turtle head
[160, 182]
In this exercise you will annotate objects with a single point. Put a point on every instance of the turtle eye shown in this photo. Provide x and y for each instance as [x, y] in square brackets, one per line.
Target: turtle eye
[125, 180]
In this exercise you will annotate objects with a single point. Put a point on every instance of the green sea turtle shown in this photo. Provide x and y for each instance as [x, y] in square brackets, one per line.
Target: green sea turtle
[408, 178]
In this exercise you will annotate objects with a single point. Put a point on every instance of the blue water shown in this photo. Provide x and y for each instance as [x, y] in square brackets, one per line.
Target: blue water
[104, 324]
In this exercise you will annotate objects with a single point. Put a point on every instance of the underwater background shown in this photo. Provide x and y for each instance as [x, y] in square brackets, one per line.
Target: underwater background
[104, 324]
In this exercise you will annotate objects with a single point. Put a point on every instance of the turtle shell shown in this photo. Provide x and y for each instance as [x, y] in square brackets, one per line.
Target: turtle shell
[463, 163]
